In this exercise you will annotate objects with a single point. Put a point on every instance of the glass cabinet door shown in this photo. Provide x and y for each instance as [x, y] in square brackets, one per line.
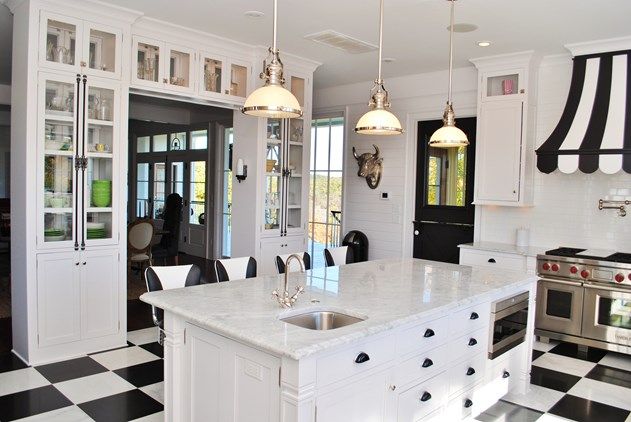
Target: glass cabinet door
[501, 85]
[58, 145]
[102, 50]
[212, 74]
[273, 175]
[297, 87]
[180, 66]
[147, 58]
[59, 47]
[100, 174]
[238, 80]
[294, 180]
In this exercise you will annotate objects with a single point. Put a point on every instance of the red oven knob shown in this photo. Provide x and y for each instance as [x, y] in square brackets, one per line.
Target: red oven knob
[584, 273]
[573, 269]
[555, 267]
[619, 278]
[546, 266]
[629, 277]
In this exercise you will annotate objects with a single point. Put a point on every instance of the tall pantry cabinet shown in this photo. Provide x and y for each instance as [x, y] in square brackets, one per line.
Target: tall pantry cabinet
[69, 154]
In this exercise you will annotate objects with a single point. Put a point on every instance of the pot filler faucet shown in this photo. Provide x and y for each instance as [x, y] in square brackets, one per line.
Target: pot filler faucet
[283, 298]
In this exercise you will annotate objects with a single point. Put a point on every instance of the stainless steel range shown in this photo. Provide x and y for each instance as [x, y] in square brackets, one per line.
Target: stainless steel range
[584, 297]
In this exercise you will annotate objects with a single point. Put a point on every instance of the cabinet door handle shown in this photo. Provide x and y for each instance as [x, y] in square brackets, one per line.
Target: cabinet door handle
[468, 403]
[472, 342]
[84, 263]
[474, 315]
[427, 363]
[506, 374]
[470, 371]
[429, 333]
[492, 261]
[362, 357]
[426, 396]
[76, 263]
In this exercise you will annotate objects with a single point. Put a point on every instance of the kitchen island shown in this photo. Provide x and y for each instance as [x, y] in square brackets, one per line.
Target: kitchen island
[419, 349]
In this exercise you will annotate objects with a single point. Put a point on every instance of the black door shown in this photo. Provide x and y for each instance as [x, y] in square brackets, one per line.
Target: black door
[444, 194]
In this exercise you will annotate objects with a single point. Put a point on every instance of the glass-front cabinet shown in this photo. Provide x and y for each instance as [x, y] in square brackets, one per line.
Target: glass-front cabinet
[503, 85]
[150, 68]
[221, 77]
[80, 46]
[284, 211]
[77, 175]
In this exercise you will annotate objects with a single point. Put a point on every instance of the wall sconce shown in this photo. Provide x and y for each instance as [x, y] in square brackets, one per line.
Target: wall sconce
[242, 171]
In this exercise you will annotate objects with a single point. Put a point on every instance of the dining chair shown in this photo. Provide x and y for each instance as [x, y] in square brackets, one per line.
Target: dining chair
[235, 268]
[281, 262]
[169, 277]
[139, 235]
[338, 256]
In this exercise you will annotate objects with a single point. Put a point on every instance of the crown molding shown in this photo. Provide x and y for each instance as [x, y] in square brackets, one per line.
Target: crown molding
[599, 46]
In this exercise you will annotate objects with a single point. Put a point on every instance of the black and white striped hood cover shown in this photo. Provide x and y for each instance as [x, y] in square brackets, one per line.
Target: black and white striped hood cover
[595, 129]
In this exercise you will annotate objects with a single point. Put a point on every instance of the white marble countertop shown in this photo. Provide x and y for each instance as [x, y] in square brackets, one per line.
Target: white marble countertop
[388, 293]
[505, 248]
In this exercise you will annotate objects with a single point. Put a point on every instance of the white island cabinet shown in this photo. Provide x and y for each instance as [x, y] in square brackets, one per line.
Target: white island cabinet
[420, 351]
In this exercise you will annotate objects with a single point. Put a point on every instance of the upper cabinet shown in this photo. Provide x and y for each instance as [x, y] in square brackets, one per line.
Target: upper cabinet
[221, 77]
[79, 46]
[505, 130]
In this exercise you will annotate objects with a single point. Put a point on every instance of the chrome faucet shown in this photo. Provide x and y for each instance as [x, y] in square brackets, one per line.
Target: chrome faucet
[283, 298]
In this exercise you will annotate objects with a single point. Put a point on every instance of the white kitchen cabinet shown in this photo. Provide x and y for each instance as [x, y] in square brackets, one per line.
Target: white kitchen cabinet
[58, 298]
[504, 165]
[80, 46]
[271, 247]
[362, 400]
[158, 64]
[99, 293]
[222, 371]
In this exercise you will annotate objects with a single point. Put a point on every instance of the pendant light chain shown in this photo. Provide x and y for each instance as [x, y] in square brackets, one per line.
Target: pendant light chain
[451, 50]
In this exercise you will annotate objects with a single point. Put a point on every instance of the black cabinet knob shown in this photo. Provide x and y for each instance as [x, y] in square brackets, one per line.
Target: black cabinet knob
[474, 315]
[468, 403]
[362, 357]
[472, 342]
[429, 333]
[470, 371]
[506, 374]
[426, 396]
[492, 260]
[427, 363]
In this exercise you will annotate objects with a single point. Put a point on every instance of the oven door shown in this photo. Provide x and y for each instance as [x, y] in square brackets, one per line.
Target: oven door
[559, 306]
[607, 314]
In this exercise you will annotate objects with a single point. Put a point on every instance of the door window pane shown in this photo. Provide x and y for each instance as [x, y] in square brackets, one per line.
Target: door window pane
[199, 139]
[142, 190]
[178, 141]
[227, 193]
[177, 178]
[159, 143]
[446, 176]
[143, 144]
[159, 189]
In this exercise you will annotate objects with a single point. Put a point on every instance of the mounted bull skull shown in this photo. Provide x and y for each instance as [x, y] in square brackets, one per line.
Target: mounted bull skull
[370, 167]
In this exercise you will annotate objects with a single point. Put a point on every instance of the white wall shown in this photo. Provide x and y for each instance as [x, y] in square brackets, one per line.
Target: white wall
[565, 211]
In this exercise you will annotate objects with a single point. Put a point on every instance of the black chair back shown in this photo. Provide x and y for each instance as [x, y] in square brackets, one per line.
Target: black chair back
[221, 273]
[280, 263]
[154, 284]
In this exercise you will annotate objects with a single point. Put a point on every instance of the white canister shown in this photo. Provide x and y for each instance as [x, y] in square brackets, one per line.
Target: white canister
[523, 237]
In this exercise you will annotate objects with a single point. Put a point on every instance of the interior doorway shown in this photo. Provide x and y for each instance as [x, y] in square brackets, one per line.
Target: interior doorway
[444, 210]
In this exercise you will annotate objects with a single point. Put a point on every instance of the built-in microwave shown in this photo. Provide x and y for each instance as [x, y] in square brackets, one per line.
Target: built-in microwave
[509, 321]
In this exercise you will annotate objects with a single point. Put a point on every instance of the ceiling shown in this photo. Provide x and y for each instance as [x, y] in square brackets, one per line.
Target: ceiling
[414, 30]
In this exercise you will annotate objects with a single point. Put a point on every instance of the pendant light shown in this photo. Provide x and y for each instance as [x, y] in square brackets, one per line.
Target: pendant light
[379, 120]
[449, 135]
[272, 100]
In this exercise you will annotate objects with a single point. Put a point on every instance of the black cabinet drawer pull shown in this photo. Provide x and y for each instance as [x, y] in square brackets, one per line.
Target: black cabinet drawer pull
[492, 260]
[470, 371]
[506, 374]
[426, 396]
[362, 357]
[472, 342]
[468, 403]
[474, 315]
[429, 333]
[427, 363]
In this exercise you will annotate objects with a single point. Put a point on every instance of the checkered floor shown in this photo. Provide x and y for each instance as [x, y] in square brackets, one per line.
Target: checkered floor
[126, 384]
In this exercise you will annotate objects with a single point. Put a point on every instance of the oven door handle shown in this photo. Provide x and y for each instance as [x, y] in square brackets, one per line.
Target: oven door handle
[609, 289]
[510, 310]
[568, 283]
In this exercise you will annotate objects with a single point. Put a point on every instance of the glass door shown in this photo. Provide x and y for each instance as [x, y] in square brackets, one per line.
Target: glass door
[195, 221]
[101, 175]
[57, 145]
[212, 75]
[147, 62]
[294, 173]
[58, 43]
[102, 50]
[180, 68]
[607, 314]
[273, 177]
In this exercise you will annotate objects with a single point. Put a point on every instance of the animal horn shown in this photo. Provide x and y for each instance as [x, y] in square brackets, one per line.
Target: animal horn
[355, 154]
[376, 150]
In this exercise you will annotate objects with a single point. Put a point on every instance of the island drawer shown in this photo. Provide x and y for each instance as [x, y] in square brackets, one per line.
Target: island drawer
[501, 260]
[466, 373]
[354, 360]
[423, 336]
[469, 344]
[422, 366]
[422, 399]
[471, 318]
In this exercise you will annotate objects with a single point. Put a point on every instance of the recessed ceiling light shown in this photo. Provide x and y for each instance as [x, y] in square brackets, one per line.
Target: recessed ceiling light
[484, 43]
[388, 59]
[254, 14]
[464, 27]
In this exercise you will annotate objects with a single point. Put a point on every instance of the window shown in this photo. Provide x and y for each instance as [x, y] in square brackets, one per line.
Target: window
[227, 193]
[325, 186]
[199, 139]
[446, 176]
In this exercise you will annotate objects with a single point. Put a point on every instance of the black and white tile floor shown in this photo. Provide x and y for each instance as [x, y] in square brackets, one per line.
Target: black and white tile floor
[127, 385]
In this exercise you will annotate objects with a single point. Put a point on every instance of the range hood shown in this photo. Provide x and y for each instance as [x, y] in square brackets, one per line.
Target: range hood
[595, 128]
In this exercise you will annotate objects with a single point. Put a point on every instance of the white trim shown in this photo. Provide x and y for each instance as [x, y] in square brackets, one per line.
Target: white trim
[599, 46]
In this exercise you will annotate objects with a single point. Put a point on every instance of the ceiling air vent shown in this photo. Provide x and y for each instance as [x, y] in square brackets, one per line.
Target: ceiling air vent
[341, 42]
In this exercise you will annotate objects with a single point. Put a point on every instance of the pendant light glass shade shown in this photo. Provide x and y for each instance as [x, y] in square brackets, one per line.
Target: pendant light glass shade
[272, 100]
[379, 120]
[449, 136]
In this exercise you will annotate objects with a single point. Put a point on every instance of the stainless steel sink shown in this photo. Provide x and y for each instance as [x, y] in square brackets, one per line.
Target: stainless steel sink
[321, 320]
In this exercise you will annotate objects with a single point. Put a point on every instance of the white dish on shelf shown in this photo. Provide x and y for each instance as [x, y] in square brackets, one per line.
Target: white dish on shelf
[95, 225]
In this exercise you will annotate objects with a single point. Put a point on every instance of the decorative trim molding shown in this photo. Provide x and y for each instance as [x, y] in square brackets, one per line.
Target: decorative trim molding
[599, 46]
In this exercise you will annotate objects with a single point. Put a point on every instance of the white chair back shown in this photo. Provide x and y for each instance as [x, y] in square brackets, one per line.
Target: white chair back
[338, 254]
[236, 268]
[294, 265]
[172, 277]
[140, 235]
